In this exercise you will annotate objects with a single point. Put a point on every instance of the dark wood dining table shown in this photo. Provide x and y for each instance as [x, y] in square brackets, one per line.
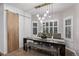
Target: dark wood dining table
[60, 45]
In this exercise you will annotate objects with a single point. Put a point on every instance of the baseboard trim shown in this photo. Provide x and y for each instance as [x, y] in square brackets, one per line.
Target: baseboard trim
[72, 51]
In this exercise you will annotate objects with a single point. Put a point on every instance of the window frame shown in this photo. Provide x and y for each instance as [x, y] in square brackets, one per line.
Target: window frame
[54, 20]
[66, 18]
[34, 27]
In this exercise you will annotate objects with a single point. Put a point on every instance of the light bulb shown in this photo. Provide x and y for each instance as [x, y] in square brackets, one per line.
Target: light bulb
[39, 18]
[37, 15]
[47, 11]
[43, 18]
[49, 16]
[41, 21]
[45, 15]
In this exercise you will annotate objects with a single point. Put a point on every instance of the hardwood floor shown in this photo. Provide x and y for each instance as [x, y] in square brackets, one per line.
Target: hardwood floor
[21, 52]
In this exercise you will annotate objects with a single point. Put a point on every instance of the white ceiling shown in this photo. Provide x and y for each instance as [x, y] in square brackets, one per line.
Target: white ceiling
[29, 7]
[61, 6]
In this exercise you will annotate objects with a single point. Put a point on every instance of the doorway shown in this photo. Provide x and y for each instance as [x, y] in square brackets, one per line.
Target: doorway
[12, 31]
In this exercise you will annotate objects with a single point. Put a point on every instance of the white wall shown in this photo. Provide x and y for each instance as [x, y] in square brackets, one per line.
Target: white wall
[67, 13]
[22, 25]
[72, 11]
[76, 24]
[21, 30]
[27, 27]
[1, 29]
[58, 16]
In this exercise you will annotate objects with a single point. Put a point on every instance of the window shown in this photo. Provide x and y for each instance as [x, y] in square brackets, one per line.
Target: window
[34, 28]
[50, 27]
[51, 30]
[68, 28]
[34, 31]
[55, 23]
[51, 23]
[55, 27]
[44, 30]
[46, 23]
[47, 27]
[47, 30]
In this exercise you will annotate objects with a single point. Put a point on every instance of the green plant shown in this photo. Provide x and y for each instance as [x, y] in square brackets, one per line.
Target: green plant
[43, 35]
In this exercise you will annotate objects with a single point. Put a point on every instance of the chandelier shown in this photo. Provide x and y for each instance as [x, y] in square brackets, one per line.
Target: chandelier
[45, 14]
